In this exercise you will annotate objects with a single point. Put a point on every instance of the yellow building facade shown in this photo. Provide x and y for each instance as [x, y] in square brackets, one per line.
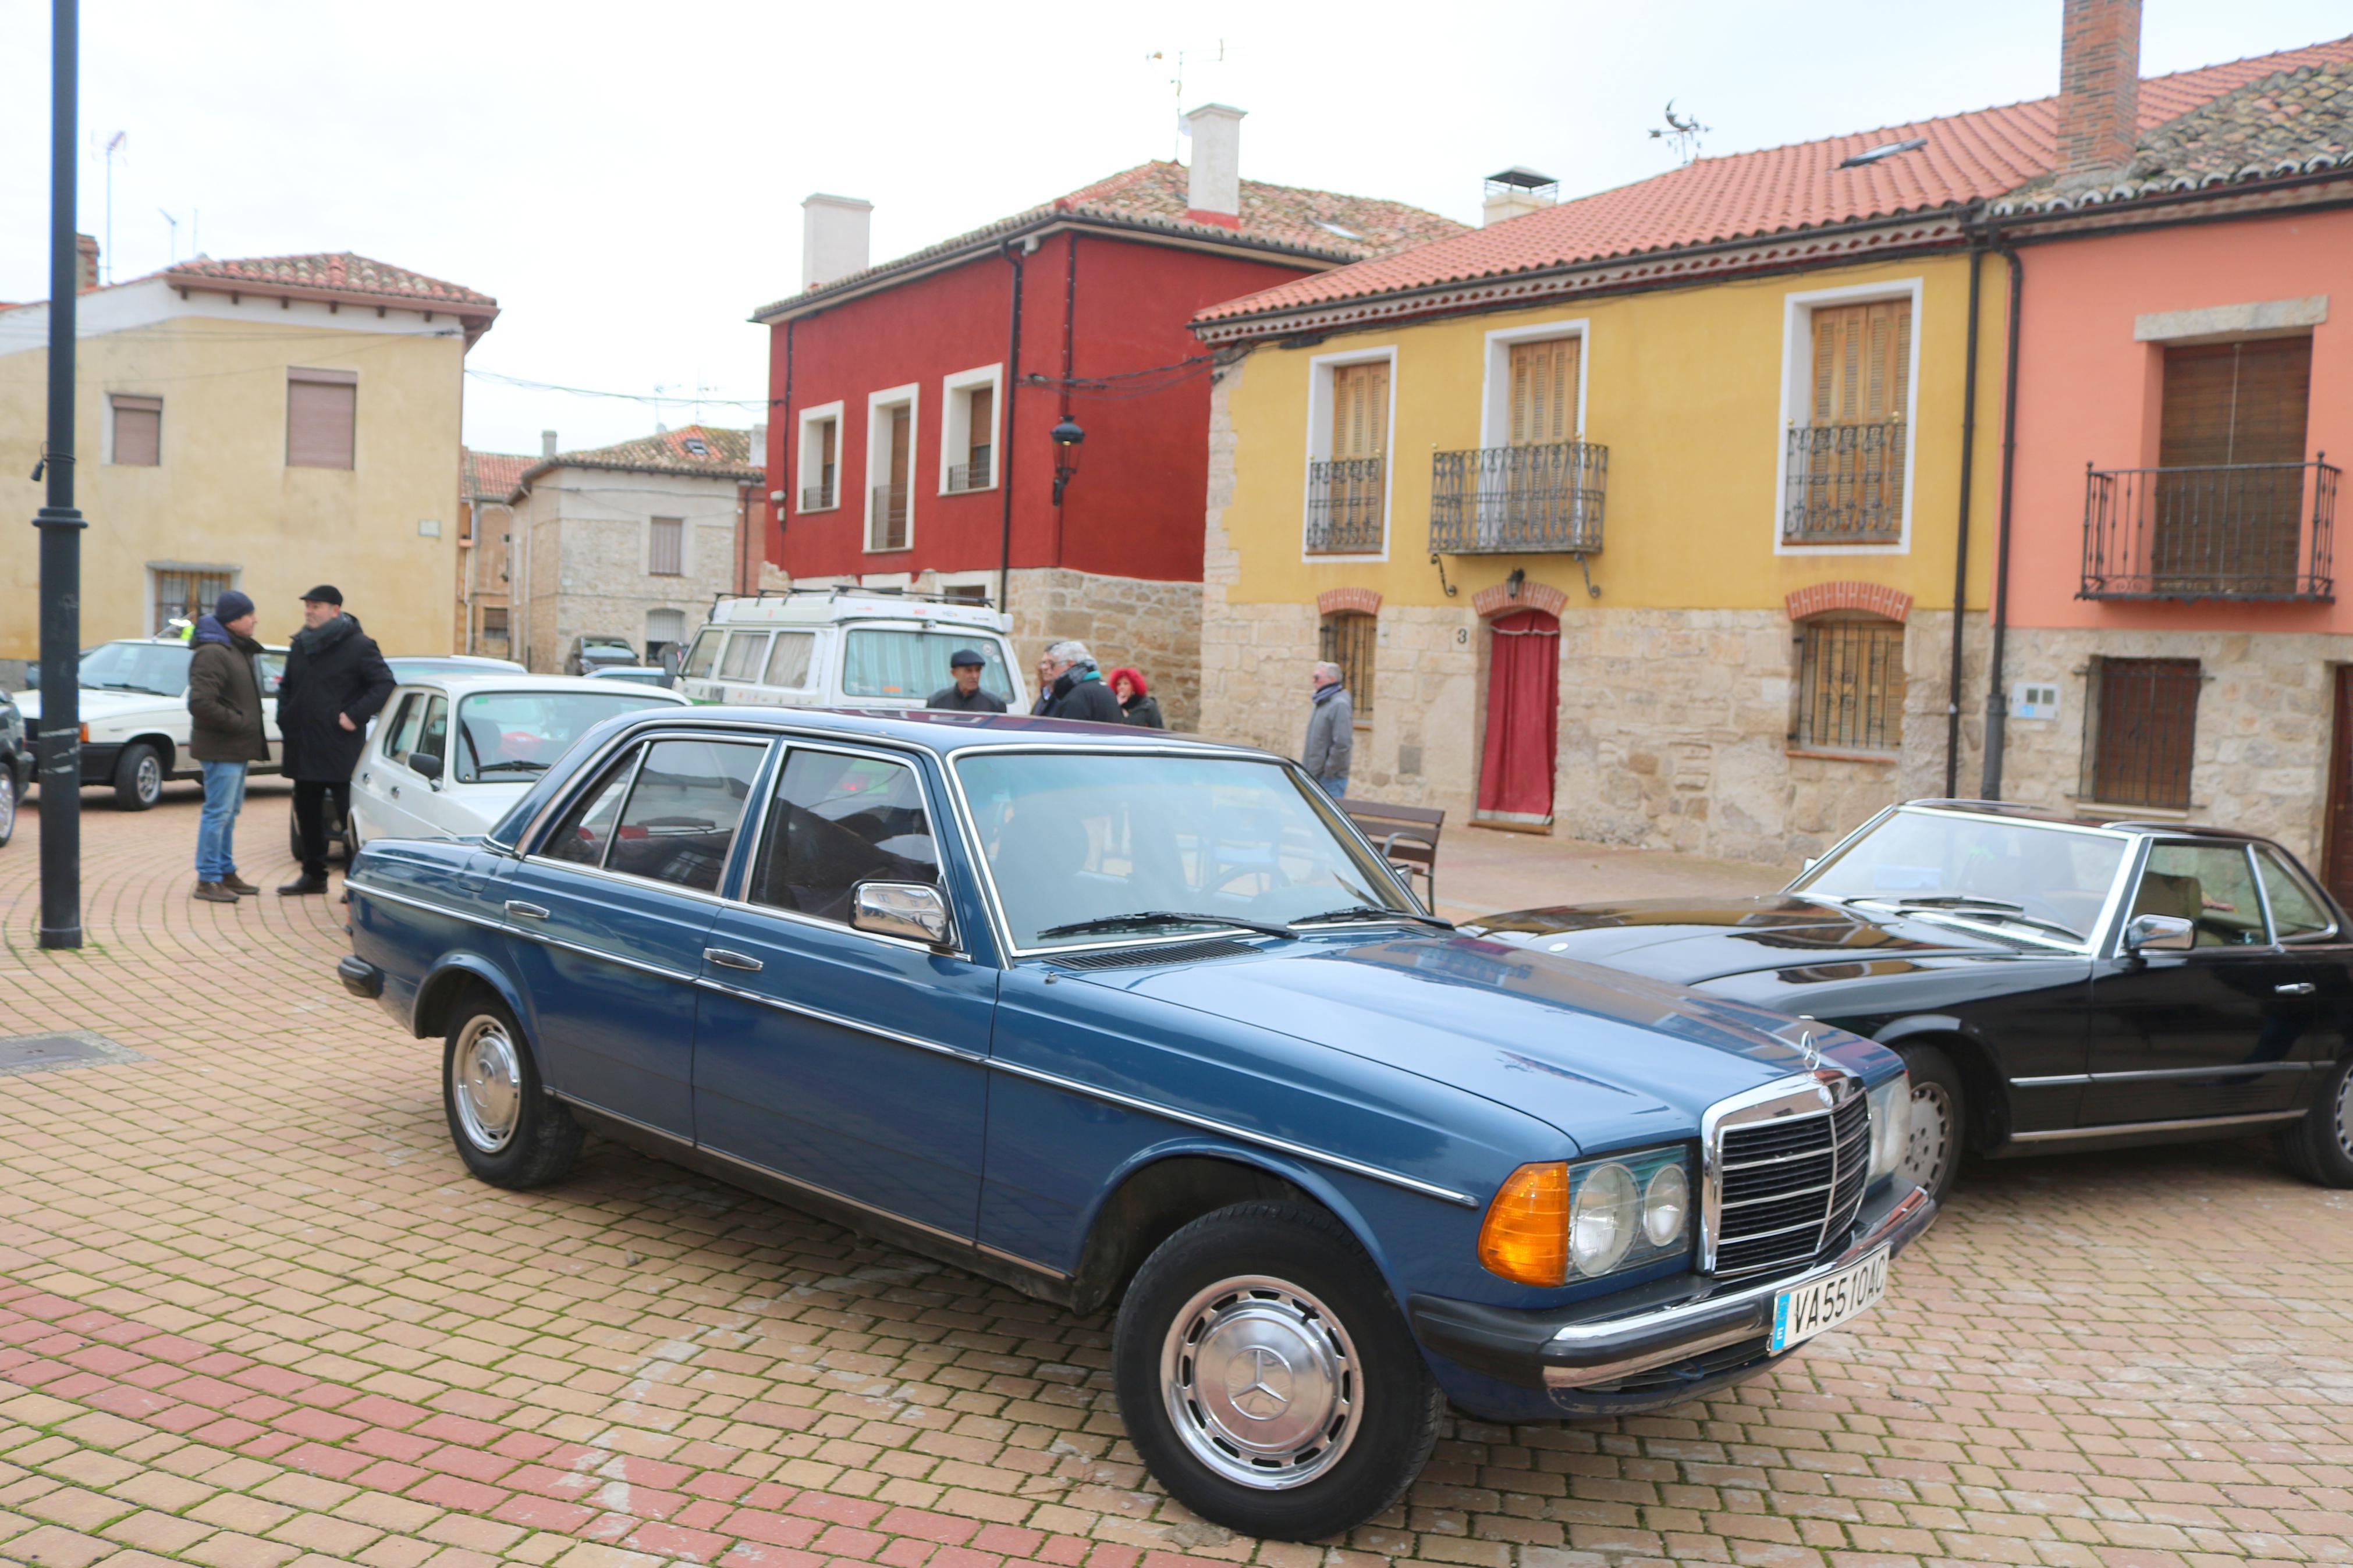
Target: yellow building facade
[263, 425]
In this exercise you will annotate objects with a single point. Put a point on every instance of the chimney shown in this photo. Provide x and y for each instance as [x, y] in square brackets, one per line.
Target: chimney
[1516, 192]
[834, 237]
[1213, 192]
[2099, 89]
[758, 448]
[85, 262]
[547, 445]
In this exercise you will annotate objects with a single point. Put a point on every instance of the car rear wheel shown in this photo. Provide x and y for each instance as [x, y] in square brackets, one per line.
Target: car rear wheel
[509, 1133]
[138, 777]
[7, 799]
[1932, 1154]
[2320, 1147]
[1266, 1378]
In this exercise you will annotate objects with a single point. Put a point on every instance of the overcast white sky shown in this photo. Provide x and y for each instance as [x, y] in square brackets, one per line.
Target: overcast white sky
[626, 180]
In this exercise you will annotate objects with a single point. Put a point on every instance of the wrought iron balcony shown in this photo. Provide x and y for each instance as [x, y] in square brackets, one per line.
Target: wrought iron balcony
[817, 498]
[1514, 499]
[2228, 531]
[1347, 506]
[972, 476]
[1845, 483]
[886, 526]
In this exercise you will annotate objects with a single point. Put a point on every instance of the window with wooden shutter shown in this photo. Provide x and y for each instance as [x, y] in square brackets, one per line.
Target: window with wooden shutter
[982, 424]
[1846, 463]
[138, 431]
[1360, 410]
[1543, 392]
[668, 556]
[2143, 725]
[1347, 501]
[1850, 684]
[1348, 638]
[2230, 502]
[322, 406]
[1862, 361]
[887, 527]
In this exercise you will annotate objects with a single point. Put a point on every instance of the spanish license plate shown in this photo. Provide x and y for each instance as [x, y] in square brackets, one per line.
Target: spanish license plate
[1800, 1313]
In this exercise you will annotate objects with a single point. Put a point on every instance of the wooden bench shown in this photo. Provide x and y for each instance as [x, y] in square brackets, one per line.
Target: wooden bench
[1407, 834]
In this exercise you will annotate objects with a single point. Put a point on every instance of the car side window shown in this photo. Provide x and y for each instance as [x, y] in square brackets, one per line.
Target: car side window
[746, 651]
[683, 810]
[587, 830]
[839, 819]
[788, 661]
[2298, 912]
[704, 654]
[400, 737]
[433, 737]
[2208, 885]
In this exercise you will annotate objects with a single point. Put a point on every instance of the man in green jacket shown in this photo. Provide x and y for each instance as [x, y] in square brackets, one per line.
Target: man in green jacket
[226, 735]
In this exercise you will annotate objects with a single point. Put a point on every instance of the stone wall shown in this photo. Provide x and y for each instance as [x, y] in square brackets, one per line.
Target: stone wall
[1154, 626]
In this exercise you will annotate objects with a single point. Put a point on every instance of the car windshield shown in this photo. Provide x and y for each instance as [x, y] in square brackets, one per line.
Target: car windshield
[879, 663]
[508, 735]
[1078, 840]
[1979, 867]
[157, 666]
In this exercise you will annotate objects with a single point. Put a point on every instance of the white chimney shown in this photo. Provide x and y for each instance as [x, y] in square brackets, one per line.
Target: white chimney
[1215, 186]
[546, 444]
[1516, 192]
[834, 231]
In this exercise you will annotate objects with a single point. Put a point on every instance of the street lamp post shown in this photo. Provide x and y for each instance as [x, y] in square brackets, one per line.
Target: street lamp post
[59, 747]
[1066, 437]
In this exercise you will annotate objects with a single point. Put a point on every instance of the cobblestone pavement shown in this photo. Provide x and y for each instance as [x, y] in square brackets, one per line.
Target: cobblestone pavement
[252, 1311]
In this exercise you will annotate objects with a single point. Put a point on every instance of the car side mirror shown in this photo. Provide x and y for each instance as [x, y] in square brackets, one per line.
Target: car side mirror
[912, 910]
[427, 765]
[2160, 933]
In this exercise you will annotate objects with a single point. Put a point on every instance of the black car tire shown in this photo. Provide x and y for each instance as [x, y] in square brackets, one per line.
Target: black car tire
[508, 1131]
[1285, 1286]
[1940, 1119]
[2320, 1147]
[138, 777]
[9, 799]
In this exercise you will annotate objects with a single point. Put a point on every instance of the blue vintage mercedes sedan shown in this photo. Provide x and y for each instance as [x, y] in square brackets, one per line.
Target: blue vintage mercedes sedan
[1120, 1018]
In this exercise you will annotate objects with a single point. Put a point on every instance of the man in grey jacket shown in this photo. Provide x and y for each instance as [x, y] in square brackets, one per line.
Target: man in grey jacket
[1331, 732]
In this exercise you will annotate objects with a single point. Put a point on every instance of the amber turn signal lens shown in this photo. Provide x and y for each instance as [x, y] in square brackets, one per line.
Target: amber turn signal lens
[1525, 1235]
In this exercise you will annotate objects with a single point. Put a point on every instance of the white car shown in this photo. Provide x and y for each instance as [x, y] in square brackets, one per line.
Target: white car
[847, 647]
[134, 716]
[450, 752]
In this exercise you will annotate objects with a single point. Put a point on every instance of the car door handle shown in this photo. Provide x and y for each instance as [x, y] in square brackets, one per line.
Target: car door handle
[2295, 988]
[726, 960]
[527, 911]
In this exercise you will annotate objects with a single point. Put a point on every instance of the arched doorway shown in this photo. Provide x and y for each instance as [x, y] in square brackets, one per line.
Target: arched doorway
[1515, 769]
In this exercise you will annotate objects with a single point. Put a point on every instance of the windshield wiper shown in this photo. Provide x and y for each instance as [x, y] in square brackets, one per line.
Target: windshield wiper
[1373, 912]
[510, 765]
[2002, 909]
[1164, 917]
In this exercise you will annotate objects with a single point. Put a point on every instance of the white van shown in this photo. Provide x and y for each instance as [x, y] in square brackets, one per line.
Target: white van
[846, 648]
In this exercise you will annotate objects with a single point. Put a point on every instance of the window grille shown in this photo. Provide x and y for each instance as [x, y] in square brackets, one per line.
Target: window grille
[668, 556]
[184, 595]
[494, 620]
[1348, 638]
[2143, 726]
[1850, 686]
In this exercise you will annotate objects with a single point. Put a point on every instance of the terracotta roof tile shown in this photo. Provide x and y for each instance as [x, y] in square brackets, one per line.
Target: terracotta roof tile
[1965, 158]
[339, 270]
[492, 474]
[724, 455]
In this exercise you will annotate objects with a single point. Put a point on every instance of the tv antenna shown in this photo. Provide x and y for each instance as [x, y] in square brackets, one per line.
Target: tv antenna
[1683, 131]
[114, 144]
[1176, 82]
[175, 245]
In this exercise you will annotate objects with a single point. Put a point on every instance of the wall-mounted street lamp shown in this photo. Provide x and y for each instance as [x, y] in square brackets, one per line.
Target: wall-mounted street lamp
[1067, 437]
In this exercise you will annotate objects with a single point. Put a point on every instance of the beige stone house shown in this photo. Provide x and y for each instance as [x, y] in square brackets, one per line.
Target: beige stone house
[486, 487]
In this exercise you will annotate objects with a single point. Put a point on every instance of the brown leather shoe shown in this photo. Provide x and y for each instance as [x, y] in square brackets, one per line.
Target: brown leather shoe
[215, 893]
[240, 886]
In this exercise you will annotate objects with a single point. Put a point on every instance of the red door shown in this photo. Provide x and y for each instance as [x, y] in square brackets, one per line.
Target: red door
[2336, 853]
[1522, 714]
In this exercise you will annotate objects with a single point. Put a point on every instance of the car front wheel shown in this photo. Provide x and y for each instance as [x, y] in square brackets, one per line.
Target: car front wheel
[1267, 1378]
[2320, 1147]
[138, 777]
[7, 799]
[508, 1131]
[1932, 1153]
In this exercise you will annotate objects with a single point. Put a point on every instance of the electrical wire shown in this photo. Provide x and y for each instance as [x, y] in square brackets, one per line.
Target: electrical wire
[502, 379]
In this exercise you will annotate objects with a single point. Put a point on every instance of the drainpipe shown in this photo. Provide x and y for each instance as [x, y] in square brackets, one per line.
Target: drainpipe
[788, 440]
[1070, 327]
[1997, 708]
[1962, 533]
[1005, 468]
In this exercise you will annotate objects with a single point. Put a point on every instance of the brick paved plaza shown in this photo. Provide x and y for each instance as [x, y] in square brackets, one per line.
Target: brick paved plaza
[252, 1311]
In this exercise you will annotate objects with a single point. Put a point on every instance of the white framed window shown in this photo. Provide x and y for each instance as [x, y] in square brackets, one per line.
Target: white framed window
[820, 457]
[1850, 390]
[1533, 389]
[891, 468]
[971, 409]
[665, 629]
[1351, 427]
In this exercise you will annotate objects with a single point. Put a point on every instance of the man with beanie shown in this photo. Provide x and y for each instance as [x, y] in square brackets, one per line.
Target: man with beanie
[966, 696]
[226, 735]
[335, 680]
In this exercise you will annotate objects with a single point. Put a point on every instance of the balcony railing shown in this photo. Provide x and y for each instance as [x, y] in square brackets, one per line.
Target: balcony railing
[817, 498]
[886, 529]
[972, 476]
[1347, 506]
[1845, 483]
[1498, 500]
[2229, 531]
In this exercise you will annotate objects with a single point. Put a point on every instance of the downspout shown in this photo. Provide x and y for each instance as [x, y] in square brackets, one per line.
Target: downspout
[788, 440]
[1005, 468]
[1997, 708]
[1070, 324]
[1961, 533]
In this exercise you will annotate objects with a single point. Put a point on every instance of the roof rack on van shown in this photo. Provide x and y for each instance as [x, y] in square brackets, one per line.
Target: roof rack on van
[983, 603]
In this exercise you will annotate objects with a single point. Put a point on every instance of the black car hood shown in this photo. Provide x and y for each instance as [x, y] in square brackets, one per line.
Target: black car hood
[1688, 941]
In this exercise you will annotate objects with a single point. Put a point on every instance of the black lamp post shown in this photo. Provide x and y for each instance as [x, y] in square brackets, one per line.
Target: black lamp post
[1067, 439]
[58, 746]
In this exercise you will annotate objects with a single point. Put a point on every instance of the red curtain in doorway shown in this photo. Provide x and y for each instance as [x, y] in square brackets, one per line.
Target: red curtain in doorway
[1522, 714]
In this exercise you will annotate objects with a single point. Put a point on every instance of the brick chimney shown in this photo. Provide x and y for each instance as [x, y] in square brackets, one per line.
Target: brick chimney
[834, 237]
[85, 262]
[2099, 89]
[1213, 190]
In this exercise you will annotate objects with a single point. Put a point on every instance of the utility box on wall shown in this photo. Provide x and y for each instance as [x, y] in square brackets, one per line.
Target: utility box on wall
[2034, 700]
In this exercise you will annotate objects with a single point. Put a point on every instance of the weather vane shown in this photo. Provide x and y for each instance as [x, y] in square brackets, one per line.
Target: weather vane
[1684, 131]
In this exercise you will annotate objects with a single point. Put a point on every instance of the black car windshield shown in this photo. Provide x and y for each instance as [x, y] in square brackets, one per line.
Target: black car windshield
[1078, 839]
[510, 735]
[1976, 867]
[161, 667]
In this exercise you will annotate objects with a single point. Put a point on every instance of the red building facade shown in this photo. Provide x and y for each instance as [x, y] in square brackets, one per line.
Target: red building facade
[914, 401]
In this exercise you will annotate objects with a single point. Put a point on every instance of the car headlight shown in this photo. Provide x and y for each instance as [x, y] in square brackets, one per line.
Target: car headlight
[1891, 1124]
[1554, 1222]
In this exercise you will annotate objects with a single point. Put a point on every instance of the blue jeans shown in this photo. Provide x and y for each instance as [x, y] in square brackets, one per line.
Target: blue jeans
[217, 828]
[1336, 787]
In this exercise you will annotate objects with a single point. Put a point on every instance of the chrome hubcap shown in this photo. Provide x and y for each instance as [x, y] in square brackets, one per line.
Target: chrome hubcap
[2345, 1113]
[1930, 1145]
[151, 778]
[486, 1082]
[7, 802]
[1261, 1383]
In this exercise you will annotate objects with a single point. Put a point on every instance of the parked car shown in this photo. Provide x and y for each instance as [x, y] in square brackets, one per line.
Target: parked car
[1114, 1016]
[134, 710]
[2052, 984]
[592, 650]
[416, 666]
[455, 751]
[635, 674]
[846, 648]
[16, 764]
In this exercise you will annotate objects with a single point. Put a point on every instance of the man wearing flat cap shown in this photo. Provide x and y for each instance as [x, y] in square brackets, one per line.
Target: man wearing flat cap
[335, 680]
[966, 696]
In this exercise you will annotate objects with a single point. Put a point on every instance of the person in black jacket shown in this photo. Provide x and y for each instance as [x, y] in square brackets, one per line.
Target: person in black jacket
[335, 680]
[965, 694]
[226, 736]
[1135, 699]
[1079, 691]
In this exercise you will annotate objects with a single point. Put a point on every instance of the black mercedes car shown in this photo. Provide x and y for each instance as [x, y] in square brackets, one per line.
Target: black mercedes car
[2051, 983]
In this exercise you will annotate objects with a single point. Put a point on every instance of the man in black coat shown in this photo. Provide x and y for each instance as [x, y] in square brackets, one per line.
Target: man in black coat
[335, 680]
[1079, 691]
